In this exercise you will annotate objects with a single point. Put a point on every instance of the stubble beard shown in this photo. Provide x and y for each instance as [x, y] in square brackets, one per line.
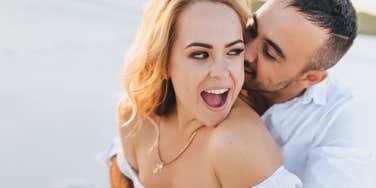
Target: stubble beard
[267, 88]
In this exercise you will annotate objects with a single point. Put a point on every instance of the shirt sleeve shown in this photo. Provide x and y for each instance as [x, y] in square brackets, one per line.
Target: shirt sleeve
[104, 158]
[281, 178]
[126, 169]
[343, 156]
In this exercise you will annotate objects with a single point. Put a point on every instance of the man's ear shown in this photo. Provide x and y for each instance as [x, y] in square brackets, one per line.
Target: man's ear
[313, 77]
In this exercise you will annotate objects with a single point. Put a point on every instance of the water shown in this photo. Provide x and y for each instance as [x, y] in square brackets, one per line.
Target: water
[60, 65]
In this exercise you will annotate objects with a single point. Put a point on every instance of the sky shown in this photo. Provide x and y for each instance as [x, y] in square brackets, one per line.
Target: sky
[365, 5]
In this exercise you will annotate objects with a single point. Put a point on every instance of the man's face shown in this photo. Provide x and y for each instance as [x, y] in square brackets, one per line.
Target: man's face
[280, 45]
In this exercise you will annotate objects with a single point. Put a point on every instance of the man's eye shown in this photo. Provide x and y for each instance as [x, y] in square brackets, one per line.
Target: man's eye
[200, 55]
[267, 54]
[235, 52]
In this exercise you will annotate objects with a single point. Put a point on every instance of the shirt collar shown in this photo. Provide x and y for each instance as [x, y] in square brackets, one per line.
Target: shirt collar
[316, 94]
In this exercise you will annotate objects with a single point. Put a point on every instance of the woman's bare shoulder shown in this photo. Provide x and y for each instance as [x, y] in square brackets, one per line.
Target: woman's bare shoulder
[242, 125]
[242, 145]
[242, 110]
[127, 134]
[124, 112]
[242, 116]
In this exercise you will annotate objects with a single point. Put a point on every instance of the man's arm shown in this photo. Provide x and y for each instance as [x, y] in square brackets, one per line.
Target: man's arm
[117, 179]
[343, 156]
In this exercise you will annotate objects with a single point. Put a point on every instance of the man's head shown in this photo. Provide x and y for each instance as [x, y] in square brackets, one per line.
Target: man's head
[293, 42]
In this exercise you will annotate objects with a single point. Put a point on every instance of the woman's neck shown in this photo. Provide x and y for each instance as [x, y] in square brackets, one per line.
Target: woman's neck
[182, 121]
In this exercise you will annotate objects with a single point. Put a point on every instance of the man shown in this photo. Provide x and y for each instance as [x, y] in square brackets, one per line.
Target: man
[316, 122]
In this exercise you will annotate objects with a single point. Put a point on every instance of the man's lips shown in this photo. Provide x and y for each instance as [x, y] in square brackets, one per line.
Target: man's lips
[250, 71]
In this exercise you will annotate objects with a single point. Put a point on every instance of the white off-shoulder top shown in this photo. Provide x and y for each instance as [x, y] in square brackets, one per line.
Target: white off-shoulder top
[281, 178]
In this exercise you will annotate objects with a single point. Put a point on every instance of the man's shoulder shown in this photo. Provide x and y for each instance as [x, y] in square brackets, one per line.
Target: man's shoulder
[327, 106]
[341, 116]
[327, 100]
[336, 91]
[328, 95]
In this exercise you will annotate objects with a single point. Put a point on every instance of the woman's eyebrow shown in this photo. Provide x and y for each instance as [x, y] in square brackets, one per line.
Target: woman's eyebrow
[204, 45]
[233, 43]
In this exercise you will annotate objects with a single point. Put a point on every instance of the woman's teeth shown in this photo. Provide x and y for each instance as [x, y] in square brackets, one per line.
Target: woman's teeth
[215, 98]
[217, 91]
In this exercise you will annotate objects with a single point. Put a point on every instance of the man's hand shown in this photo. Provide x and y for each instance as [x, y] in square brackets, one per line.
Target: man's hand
[117, 179]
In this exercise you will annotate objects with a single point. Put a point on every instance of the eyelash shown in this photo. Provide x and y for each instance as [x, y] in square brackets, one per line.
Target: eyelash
[196, 54]
[267, 54]
[237, 51]
[233, 52]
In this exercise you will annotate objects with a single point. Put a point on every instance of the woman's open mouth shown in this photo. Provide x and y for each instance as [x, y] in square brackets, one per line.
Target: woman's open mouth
[215, 98]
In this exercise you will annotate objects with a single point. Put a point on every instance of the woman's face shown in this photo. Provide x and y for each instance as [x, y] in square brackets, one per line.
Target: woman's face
[206, 61]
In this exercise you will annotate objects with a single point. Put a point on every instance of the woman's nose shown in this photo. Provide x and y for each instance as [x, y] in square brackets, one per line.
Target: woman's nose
[219, 69]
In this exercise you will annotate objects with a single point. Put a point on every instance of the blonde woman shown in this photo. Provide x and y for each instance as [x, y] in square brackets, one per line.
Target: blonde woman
[182, 124]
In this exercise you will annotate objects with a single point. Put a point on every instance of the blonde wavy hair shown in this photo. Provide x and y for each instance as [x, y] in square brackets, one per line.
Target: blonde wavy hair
[148, 89]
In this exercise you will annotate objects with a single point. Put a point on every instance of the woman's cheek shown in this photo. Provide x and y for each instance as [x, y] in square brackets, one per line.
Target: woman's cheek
[237, 70]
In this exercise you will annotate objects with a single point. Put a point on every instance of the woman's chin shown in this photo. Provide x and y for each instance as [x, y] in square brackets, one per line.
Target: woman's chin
[212, 118]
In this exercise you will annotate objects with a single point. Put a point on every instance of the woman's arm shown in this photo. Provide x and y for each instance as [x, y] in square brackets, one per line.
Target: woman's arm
[117, 179]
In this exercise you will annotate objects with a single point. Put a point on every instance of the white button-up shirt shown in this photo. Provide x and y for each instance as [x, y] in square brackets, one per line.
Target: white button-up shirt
[323, 136]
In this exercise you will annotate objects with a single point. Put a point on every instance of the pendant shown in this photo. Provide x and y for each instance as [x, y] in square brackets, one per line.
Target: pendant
[158, 168]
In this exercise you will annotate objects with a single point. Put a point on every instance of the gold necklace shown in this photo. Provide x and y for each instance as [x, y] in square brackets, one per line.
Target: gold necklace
[162, 163]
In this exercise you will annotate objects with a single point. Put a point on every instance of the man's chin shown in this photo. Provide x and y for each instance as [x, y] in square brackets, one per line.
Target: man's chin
[259, 90]
[252, 87]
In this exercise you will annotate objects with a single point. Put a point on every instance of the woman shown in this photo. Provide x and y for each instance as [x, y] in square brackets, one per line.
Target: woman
[182, 124]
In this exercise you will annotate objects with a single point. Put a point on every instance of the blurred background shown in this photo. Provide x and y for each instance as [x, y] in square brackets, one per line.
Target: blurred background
[60, 66]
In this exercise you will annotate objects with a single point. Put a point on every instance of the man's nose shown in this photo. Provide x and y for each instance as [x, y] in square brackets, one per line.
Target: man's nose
[251, 53]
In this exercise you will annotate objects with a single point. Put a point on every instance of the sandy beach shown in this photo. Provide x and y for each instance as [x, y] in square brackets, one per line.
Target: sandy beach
[60, 65]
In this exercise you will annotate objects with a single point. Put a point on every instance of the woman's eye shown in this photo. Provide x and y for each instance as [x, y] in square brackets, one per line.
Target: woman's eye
[200, 55]
[235, 51]
[267, 54]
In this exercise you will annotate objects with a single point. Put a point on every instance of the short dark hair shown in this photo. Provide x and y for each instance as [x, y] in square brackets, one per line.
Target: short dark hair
[339, 18]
